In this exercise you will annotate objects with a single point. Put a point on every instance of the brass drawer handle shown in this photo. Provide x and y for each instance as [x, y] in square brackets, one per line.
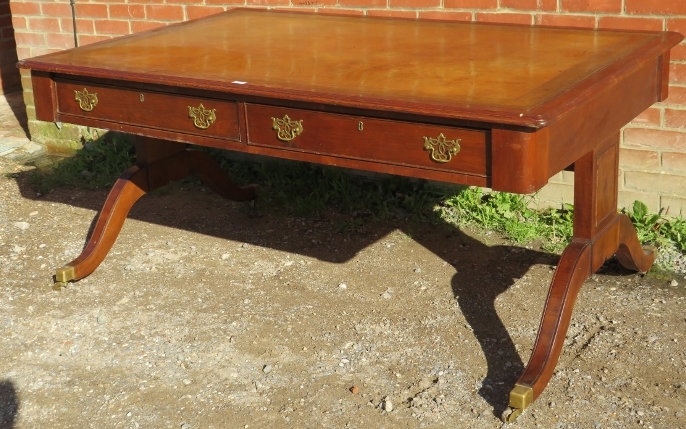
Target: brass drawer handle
[87, 101]
[287, 130]
[440, 149]
[202, 118]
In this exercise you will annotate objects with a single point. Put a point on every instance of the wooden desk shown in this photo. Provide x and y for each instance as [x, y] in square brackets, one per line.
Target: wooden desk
[501, 106]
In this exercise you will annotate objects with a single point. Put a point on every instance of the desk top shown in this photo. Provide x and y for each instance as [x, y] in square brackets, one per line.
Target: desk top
[508, 74]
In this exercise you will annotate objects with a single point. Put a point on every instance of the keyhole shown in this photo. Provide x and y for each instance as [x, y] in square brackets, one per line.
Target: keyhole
[360, 126]
[141, 97]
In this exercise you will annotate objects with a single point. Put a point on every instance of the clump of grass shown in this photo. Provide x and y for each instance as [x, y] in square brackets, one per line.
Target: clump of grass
[656, 229]
[511, 215]
[98, 164]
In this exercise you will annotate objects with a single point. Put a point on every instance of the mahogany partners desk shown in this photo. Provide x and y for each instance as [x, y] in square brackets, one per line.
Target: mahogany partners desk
[501, 106]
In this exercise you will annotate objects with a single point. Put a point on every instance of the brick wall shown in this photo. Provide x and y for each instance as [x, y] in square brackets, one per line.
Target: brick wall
[9, 75]
[653, 156]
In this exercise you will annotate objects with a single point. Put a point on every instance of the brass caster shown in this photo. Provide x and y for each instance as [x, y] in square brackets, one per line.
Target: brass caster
[510, 414]
[520, 398]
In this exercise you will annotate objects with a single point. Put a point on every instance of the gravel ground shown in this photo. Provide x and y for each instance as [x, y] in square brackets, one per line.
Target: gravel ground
[205, 317]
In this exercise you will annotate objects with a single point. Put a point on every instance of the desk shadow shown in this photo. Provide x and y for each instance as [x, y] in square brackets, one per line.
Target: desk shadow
[9, 405]
[483, 272]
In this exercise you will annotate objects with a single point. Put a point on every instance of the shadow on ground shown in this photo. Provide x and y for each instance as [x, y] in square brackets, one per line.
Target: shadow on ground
[9, 404]
[484, 271]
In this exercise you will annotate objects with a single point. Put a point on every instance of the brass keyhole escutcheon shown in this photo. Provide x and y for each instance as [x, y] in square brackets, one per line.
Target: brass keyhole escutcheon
[202, 118]
[87, 101]
[360, 126]
[286, 129]
[141, 97]
[440, 149]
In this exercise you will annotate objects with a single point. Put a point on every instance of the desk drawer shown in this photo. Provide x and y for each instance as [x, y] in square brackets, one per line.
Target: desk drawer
[378, 140]
[172, 112]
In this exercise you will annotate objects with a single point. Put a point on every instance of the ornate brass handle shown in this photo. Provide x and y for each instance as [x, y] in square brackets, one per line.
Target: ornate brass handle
[202, 118]
[287, 130]
[440, 149]
[86, 100]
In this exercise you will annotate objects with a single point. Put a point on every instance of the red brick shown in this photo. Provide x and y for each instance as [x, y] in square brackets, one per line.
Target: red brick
[300, 9]
[314, 3]
[363, 3]
[414, 3]
[470, 4]
[639, 159]
[164, 12]
[194, 12]
[339, 11]
[20, 8]
[676, 95]
[23, 53]
[553, 20]
[127, 11]
[138, 26]
[678, 53]
[550, 5]
[674, 161]
[269, 2]
[55, 9]
[676, 24]
[446, 15]
[392, 13]
[87, 39]
[504, 18]
[608, 6]
[655, 182]
[184, 1]
[649, 117]
[675, 118]
[29, 39]
[91, 10]
[652, 138]
[656, 7]
[45, 24]
[86, 26]
[677, 73]
[225, 2]
[630, 23]
[18, 22]
[112, 26]
[43, 51]
[60, 40]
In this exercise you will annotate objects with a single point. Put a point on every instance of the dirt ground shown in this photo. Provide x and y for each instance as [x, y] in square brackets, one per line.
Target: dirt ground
[205, 317]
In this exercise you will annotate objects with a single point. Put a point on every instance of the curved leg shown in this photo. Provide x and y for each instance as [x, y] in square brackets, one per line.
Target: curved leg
[630, 253]
[572, 270]
[599, 232]
[126, 191]
[132, 185]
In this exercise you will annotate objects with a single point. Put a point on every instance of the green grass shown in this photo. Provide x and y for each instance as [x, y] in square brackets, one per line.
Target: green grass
[303, 189]
[97, 165]
[511, 215]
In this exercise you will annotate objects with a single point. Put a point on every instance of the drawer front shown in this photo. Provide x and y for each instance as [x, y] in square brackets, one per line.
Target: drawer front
[172, 112]
[378, 140]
